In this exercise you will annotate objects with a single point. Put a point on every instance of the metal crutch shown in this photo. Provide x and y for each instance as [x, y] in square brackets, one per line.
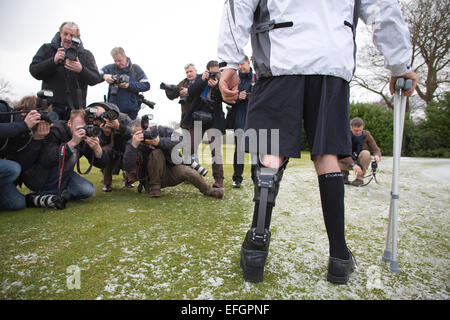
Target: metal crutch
[390, 252]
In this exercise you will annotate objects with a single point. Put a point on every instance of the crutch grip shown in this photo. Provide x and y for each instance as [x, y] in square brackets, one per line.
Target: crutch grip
[403, 84]
[399, 84]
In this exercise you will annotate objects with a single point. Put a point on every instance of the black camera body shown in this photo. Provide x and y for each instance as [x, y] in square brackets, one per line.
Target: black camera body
[149, 133]
[374, 165]
[72, 51]
[212, 75]
[123, 78]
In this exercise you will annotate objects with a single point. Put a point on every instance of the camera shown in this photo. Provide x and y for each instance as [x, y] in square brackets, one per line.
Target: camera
[374, 166]
[123, 78]
[43, 101]
[92, 131]
[72, 51]
[149, 133]
[212, 75]
[197, 167]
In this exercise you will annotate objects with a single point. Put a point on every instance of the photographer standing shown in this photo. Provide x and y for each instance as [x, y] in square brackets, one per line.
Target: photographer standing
[126, 80]
[10, 128]
[148, 158]
[237, 116]
[206, 107]
[363, 145]
[66, 68]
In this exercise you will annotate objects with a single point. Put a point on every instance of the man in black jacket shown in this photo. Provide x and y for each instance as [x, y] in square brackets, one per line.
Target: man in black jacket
[150, 161]
[10, 197]
[207, 108]
[66, 143]
[67, 78]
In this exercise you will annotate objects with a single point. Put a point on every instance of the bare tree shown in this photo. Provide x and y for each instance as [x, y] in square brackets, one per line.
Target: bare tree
[429, 24]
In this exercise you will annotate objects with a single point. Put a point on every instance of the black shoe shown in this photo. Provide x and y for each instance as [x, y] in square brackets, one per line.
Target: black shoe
[254, 253]
[339, 270]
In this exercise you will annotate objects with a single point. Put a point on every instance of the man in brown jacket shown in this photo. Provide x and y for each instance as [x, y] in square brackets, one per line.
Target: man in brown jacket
[363, 145]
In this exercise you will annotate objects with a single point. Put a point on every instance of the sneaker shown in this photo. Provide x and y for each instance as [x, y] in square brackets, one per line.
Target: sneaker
[155, 193]
[107, 188]
[236, 184]
[217, 193]
[357, 182]
[339, 270]
[128, 184]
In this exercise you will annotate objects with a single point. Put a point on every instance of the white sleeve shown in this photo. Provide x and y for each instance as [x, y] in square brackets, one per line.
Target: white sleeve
[237, 20]
[390, 33]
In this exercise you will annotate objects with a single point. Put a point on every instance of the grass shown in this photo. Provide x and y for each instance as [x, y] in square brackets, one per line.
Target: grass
[186, 246]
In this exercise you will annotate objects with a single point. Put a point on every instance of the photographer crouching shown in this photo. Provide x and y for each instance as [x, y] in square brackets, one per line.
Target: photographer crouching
[116, 131]
[126, 81]
[66, 143]
[148, 159]
[21, 136]
[363, 145]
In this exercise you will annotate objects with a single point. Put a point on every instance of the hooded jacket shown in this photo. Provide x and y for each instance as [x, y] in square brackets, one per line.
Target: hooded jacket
[300, 37]
[54, 76]
[127, 99]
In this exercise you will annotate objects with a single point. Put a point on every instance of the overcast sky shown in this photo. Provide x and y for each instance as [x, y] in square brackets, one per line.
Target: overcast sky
[160, 36]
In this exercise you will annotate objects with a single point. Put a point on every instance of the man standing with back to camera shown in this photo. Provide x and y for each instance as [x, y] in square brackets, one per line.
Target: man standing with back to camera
[66, 68]
[304, 59]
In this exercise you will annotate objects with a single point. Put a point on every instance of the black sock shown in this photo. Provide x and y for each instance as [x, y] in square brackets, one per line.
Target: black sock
[331, 187]
[268, 215]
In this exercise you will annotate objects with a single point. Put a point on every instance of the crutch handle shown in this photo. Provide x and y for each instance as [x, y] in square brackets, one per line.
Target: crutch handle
[403, 84]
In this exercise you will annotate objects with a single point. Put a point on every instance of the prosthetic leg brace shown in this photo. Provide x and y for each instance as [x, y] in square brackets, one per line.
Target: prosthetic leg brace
[35, 200]
[255, 248]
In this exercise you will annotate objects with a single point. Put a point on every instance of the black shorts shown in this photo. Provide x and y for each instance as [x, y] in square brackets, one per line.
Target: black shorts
[321, 102]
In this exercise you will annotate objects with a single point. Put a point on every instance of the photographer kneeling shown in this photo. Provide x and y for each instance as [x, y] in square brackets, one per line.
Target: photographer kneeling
[63, 147]
[116, 131]
[147, 158]
[363, 145]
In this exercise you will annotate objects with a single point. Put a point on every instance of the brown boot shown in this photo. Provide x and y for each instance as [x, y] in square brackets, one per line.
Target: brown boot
[155, 192]
[217, 193]
[218, 183]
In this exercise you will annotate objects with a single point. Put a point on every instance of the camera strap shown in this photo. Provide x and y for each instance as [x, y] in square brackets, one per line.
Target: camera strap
[61, 160]
[90, 165]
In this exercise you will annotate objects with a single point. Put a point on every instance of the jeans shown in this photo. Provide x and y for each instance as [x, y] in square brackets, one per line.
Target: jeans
[10, 198]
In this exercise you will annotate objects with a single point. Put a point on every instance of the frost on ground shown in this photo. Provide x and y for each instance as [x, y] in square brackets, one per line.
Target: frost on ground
[158, 263]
